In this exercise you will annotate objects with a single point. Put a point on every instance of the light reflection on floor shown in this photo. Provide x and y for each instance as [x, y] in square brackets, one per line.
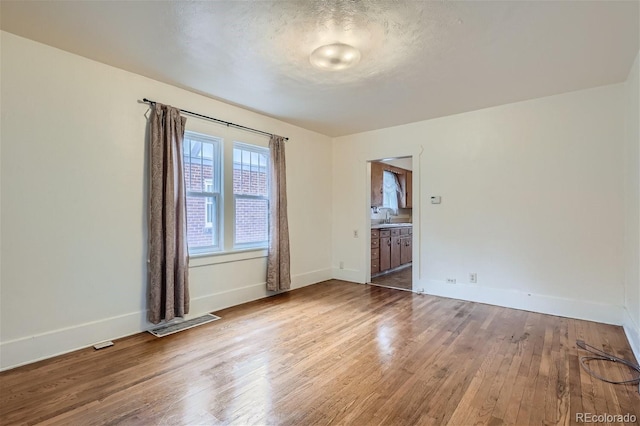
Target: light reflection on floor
[385, 338]
[252, 399]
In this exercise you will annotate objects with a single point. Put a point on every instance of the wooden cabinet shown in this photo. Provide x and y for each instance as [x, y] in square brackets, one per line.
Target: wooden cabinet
[390, 248]
[408, 190]
[385, 250]
[405, 250]
[376, 184]
[375, 251]
[406, 184]
[395, 247]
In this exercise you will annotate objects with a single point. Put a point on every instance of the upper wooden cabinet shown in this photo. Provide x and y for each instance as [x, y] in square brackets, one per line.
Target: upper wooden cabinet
[406, 186]
[376, 184]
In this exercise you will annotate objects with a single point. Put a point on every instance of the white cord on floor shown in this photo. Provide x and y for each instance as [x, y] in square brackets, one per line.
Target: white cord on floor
[603, 356]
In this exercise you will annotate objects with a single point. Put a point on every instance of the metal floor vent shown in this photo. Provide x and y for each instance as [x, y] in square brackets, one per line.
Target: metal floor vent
[168, 329]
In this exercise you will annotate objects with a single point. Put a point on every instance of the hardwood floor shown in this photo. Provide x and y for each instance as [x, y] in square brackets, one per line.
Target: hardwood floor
[397, 279]
[333, 353]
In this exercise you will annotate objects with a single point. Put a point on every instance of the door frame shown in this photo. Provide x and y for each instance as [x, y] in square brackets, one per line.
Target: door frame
[416, 218]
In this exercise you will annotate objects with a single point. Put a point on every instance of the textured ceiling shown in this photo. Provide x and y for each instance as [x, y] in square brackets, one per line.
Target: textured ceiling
[420, 60]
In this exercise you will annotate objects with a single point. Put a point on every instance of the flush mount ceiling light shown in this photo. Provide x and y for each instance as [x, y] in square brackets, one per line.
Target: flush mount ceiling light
[335, 57]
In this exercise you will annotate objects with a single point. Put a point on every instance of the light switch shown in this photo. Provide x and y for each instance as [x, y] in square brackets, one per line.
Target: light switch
[436, 199]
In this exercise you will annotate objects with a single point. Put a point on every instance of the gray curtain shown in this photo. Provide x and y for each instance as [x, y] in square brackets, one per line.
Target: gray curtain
[168, 271]
[278, 263]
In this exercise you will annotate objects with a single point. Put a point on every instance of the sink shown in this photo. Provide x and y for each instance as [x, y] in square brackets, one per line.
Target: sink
[391, 225]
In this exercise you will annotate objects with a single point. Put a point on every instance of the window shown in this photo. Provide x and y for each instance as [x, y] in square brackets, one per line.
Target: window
[227, 194]
[203, 182]
[251, 195]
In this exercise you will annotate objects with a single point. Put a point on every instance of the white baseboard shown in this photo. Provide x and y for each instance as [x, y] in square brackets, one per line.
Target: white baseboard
[26, 350]
[351, 275]
[570, 308]
[313, 277]
[222, 300]
[632, 330]
[216, 301]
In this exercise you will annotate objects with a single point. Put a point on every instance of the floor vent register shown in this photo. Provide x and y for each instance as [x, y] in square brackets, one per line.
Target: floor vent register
[168, 329]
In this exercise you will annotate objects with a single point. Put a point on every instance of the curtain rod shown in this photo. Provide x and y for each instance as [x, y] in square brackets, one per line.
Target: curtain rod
[227, 123]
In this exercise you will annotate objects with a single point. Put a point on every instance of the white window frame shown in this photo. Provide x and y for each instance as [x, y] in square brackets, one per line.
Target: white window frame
[263, 151]
[209, 190]
[208, 204]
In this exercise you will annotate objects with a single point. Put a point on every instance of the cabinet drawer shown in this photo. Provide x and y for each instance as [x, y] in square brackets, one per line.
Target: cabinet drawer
[375, 233]
[385, 233]
[375, 244]
[395, 232]
[411, 230]
[404, 231]
[375, 253]
[375, 267]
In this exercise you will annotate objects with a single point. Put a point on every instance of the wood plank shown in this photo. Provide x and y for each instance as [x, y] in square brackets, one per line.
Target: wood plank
[333, 353]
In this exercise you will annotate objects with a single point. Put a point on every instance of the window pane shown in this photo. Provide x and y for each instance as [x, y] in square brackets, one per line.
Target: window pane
[202, 171]
[201, 222]
[207, 151]
[195, 171]
[249, 173]
[237, 172]
[263, 183]
[200, 160]
[251, 221]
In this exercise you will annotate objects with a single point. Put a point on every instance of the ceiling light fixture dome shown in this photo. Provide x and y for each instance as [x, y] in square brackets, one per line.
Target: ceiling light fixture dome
[335, 57]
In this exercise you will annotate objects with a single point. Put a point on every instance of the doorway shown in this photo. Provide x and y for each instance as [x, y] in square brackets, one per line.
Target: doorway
[391, 219]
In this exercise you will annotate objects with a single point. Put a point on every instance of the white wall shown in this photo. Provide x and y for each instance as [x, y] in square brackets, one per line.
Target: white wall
[632, 210]
[73, 212]
[532, 202]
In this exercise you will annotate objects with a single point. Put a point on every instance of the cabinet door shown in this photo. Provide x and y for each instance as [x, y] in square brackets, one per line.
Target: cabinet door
[406, 186]
[376, 184]
[405, 250]
[409, 190]
[385, 253]
[395, 251]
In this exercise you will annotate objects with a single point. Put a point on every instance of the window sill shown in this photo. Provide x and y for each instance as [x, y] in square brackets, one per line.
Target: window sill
[205, 259]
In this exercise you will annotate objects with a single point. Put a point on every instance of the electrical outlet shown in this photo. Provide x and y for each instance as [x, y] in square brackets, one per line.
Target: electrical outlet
[341, 265]
[473, 277]
[451, 280]
[355, 233]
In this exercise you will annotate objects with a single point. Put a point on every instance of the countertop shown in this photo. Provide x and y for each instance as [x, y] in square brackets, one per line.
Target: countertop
[391, 225]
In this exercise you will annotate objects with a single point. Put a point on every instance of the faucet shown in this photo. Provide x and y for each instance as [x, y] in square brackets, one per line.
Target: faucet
[387, 214]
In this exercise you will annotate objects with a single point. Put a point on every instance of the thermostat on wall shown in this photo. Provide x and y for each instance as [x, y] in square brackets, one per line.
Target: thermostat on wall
[436, 199]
